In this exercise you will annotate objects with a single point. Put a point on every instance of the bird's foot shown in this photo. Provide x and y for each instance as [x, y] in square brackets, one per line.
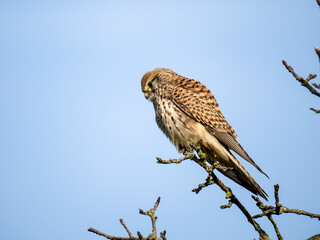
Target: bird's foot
[201, 155]
[188, 154]
[182, 149]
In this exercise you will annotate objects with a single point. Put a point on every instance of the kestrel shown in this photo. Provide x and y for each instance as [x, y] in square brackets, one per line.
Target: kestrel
[189, 115]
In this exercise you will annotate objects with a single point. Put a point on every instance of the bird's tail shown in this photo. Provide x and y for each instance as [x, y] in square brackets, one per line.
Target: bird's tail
[238, 174]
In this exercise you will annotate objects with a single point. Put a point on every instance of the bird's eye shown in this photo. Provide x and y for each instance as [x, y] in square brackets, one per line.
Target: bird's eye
[150, 84]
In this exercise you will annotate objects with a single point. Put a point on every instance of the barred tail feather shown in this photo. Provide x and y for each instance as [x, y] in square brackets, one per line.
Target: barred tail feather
[238, 173]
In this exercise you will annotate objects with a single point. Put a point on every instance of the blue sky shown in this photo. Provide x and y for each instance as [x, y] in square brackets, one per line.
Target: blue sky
[78, 140]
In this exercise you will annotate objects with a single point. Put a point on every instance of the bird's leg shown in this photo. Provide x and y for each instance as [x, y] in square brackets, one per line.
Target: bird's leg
[181, 149]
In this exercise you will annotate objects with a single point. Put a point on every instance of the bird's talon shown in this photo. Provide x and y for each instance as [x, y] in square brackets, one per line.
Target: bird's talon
[201, 155]
[188, 154]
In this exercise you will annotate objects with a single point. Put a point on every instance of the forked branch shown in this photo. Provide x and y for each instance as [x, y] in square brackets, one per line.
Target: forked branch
[267, 211]
[305, 81]
[278, 209]
[152, 236]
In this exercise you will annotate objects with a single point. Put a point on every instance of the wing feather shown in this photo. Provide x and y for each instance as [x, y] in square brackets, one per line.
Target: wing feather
[203, 107]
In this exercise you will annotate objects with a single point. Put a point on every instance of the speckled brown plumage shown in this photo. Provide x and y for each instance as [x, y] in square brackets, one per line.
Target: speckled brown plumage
[188, 114]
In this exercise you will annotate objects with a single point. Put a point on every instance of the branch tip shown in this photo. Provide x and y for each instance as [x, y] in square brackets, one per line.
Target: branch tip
[305, 82]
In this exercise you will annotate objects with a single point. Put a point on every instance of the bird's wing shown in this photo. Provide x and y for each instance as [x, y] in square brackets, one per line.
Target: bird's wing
[200, 104]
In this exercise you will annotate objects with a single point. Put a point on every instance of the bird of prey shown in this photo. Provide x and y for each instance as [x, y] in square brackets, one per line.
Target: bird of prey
[189, 115]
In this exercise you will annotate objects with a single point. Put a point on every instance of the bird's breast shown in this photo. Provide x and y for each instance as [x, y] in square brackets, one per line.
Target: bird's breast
[177, 126]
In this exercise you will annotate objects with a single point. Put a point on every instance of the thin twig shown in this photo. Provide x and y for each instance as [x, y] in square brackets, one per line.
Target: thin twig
[208, 182]
[110, 236]
[276, 197]
[316, 85]
[179, 160]
[276, 229]
[316, 111]
[288, 210]
[265, 208]
[163, 235]
[226, 205]
[125, 227]
[317, 49]
[140, 236]
[150, 213]
[304, 82]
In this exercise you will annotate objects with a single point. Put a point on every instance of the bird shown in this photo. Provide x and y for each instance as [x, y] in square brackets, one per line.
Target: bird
[189, 115]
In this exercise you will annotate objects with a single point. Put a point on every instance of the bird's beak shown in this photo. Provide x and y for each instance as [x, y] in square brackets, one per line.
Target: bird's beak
[146, 94]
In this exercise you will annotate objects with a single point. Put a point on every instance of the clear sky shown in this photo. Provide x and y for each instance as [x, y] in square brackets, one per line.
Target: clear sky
[78, 140]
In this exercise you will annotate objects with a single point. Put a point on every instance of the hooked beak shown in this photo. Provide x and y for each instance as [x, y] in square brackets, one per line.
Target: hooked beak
[146, 93]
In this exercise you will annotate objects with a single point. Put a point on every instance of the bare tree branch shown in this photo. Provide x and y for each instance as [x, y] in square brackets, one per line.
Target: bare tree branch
[266, 208]
[279, 209]
[211, 179]
[152, 236]
[267, 211]
[304, 82]
[129, 233]
[163, 235]
[109, 236]
[150, 213]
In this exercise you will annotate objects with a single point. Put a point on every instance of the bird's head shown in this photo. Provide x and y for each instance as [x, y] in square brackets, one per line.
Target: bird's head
[153, 79]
